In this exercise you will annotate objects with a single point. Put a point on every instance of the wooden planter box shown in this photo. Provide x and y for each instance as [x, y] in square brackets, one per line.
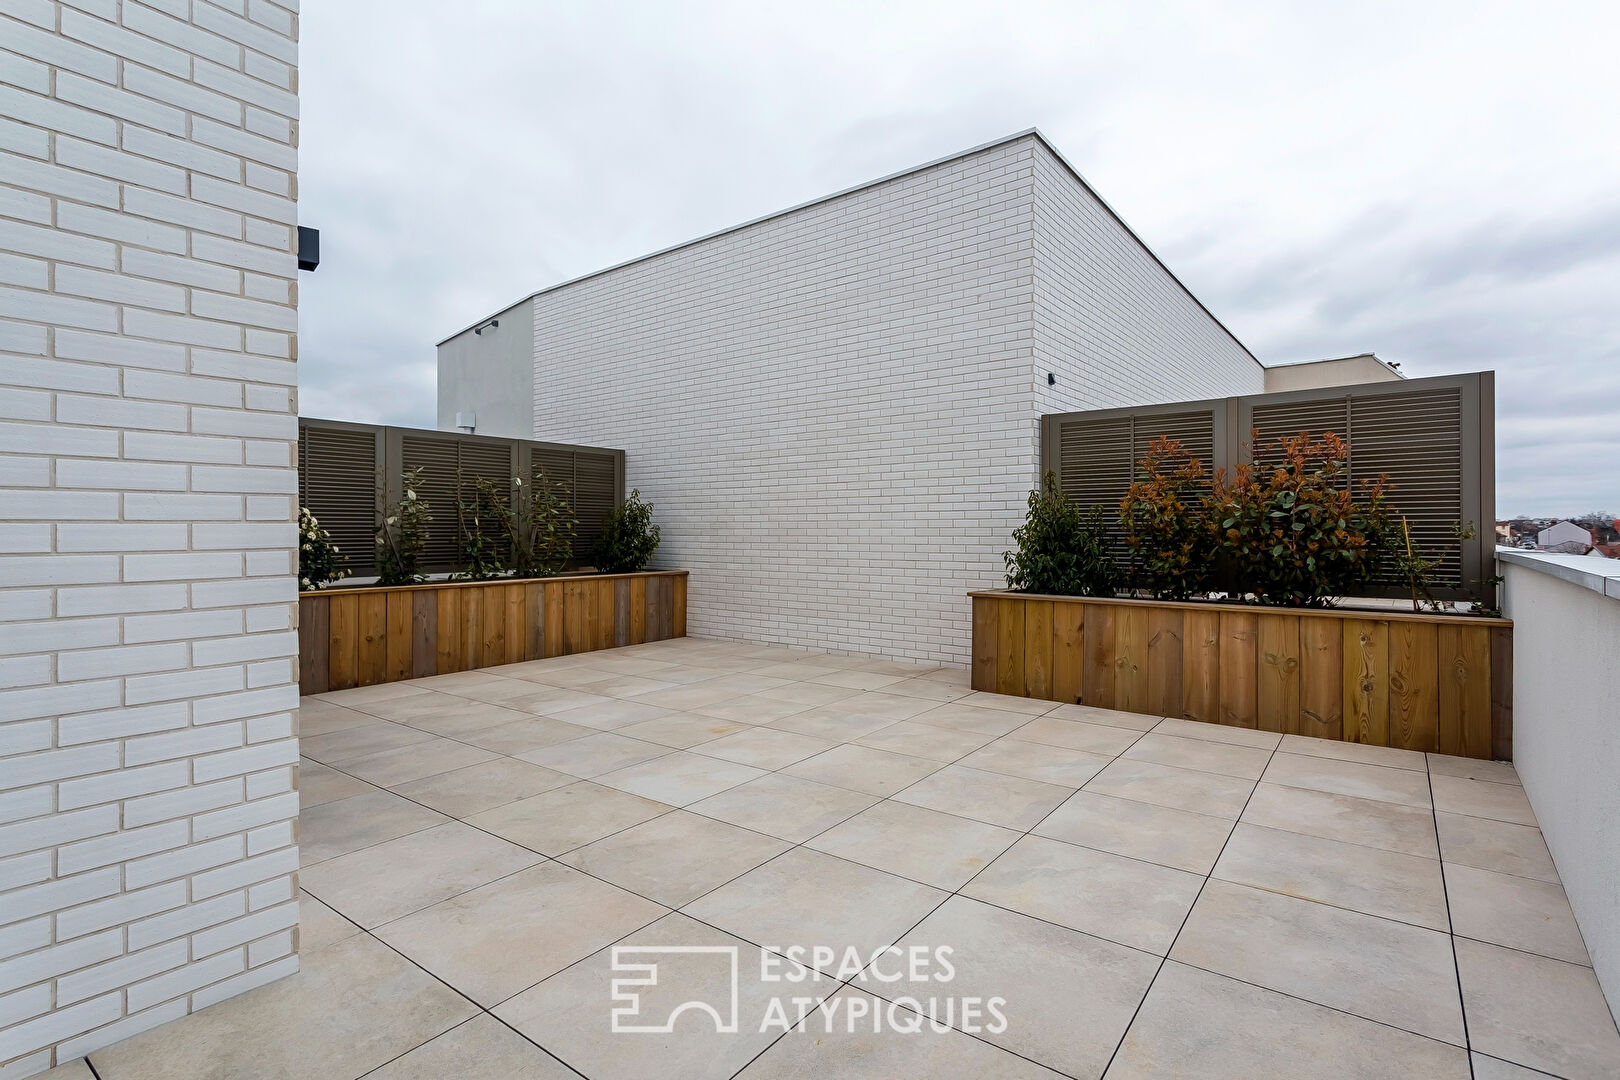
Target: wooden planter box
[1419, 682]
[358, 637]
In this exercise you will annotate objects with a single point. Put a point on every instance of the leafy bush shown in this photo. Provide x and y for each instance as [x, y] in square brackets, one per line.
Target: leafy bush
[481, 514]
[628, 538]
[402, 535]
[318, 557]
[1295, 532]
[542, 534]
[1061, 552]
[1172, 543]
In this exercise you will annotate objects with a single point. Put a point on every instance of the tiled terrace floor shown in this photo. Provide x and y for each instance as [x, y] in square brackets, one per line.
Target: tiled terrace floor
[1152, 898]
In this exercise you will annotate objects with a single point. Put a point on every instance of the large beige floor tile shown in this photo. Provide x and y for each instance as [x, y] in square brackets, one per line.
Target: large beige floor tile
[531, 733]
[1218, 733]
[679, 778]
[1123, 900]
[965, 717]
[337, 828]
[676, 858]
[1009, 801]
[571, 1013]
[403, 764]
[77, 1069]
[1388, 756]
[1179, 789]
[1489, 1068]
[902, 1044]
[688, 696]
[1381, 782]
[809, 694]
[1090, 714]
[941, 744]
[594, 755]
[862, 768]
[1500, 772]
[370, 695]
[751, 709]
[1140, 830]
[349, 1009]
[339, 746]
[494, 941]
[1482, 798]
[1201, 1026]
[924, 845]
[1052, 730]
[587, 710]
[1381, 970]
[833, 723]
[395, 878]
[1387, 825]
[1520, 913]
[1009, 703]
[476, 788]
[1408, 888]
[1495, 845]
[320, 926]
[319, 784]
[447, 716]
[807, 899]
[927, 689]
[1068, 996]
[783, 806]
[316, 717]
[764, 747]
[1244, 762]
[565, 818]
[1538, 1012]
[481, 1049]
[681, 731]
[1037, 761]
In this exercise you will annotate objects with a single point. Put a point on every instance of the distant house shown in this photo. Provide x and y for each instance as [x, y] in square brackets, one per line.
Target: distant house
[1566, 538]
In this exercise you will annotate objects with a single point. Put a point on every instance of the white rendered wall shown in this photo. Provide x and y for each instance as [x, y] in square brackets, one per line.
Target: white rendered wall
[147, 422]
[491, 375]
[1566, 746]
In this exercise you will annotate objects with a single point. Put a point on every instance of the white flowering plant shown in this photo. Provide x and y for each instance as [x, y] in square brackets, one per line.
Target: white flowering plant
[402, 535]
[319, 560]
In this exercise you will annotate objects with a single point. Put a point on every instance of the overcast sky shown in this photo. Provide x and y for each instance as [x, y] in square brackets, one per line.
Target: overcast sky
[1439, 184]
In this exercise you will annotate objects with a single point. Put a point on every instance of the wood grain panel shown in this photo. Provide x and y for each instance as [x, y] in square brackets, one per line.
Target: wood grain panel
[606, 612]
[1239, 660]
[1010, 648]
[1068, 651]
[1099, 670]
[1131, 659]
[472, 628]
[574, 629]
[621, 612]
[449, 644]
[398, 644]
[343, 640]
[534, 615]
[1414, 705]
[1502, 693]
[677, 607]
[424, 634]
[985, 639]
[371, 653]
[314, 628]
[1463, 666]
[1321, 678]
[1277, 692]
[553, 613]
[1038, 649]
[1166, 627]
[517, 634]
[1201, 666]
[1366, 681]
[638, 610]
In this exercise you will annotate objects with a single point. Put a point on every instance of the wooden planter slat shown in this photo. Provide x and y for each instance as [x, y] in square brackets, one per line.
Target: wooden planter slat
[1402, 679]
[360, 637]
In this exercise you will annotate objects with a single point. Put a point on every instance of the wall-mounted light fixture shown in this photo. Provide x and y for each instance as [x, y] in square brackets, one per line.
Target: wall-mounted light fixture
[492, 324]
[1051, 379]
[309, 248]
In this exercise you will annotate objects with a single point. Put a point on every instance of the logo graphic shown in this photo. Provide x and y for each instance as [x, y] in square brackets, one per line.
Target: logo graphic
[640, 965]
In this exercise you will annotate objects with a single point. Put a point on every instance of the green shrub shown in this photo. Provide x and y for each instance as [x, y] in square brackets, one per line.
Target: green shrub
[1061, 551]
[1173, 545]
[318, 557]
[541, 536]
[628, 538]
[402, 535]
[481, 522]
[1296, 534]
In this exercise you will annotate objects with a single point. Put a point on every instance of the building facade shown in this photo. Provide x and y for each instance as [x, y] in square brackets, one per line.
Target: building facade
[836, 409]
[148, 320]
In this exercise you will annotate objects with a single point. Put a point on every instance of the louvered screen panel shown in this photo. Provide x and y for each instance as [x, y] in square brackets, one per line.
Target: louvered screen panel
[1097, 456]
[1416, 441]
[337, 481]
[594, 495]
[437, 484]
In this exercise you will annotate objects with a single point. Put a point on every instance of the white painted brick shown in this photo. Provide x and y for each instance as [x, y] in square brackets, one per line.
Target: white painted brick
[56, 1027]
[247, 872]
[140, 689]
[26, 604]
[26, 936]
[270, 948]
[219, 909]
[182, 94]
[57, 375]
[64, 183]
[273, 316]
[121, 42]
[122, 846]
[201, 973]
[270, 838]
[206, 536]
[42, 112]
[58, 439]
[119, 288]
[234, 650]
[260, 563]
[23, 72]
[27, 803]
[23, 472]
[180, 863]
[72, 473]
[122, 723]
[182, 802]
[26, 737]
[181, 153]
[117, 350]
[182, 448]
[120, 972]
[119, 910]
[116, 164]
[181, 506]
[20, 871]
[56, 829]
[270, 673]
[184, 328]
[248, 759]
[269, 507]
[241, 984]
[183, 625]
[271, 126]
[60, 570]
[26, 272]
[25, 539]
[248, 88]
[26, 671]
[39, 12]
[271, 454]
[120, 598]
[280, 809]
[88, 536]
[24, 404]
[57, 634]
[123, 784]
[52, 308]
[58, 894]
[185, 567]
[270, 782]
[249, 591]
[270, 892]
[182, 271]
[122, 660]
[187, 743]
[45, 963]
[175, 211]
[133, 1023]
[109, 99]
[59, 505]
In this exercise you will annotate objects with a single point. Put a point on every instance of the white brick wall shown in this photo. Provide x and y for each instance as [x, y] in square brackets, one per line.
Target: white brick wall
[147, 417]
[835, 410]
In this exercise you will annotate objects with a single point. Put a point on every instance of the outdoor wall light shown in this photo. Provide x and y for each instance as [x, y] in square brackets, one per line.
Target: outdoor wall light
[1051, 379]
[492, 324]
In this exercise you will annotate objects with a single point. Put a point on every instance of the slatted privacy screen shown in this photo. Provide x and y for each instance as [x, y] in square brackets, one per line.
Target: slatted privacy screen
[1433, 438]
[346, 470]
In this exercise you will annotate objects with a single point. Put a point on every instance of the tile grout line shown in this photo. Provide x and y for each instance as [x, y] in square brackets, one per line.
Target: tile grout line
[1451, 927]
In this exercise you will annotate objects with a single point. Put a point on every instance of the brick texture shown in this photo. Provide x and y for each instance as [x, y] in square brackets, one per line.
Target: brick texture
[147, 417]
[835, 410]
